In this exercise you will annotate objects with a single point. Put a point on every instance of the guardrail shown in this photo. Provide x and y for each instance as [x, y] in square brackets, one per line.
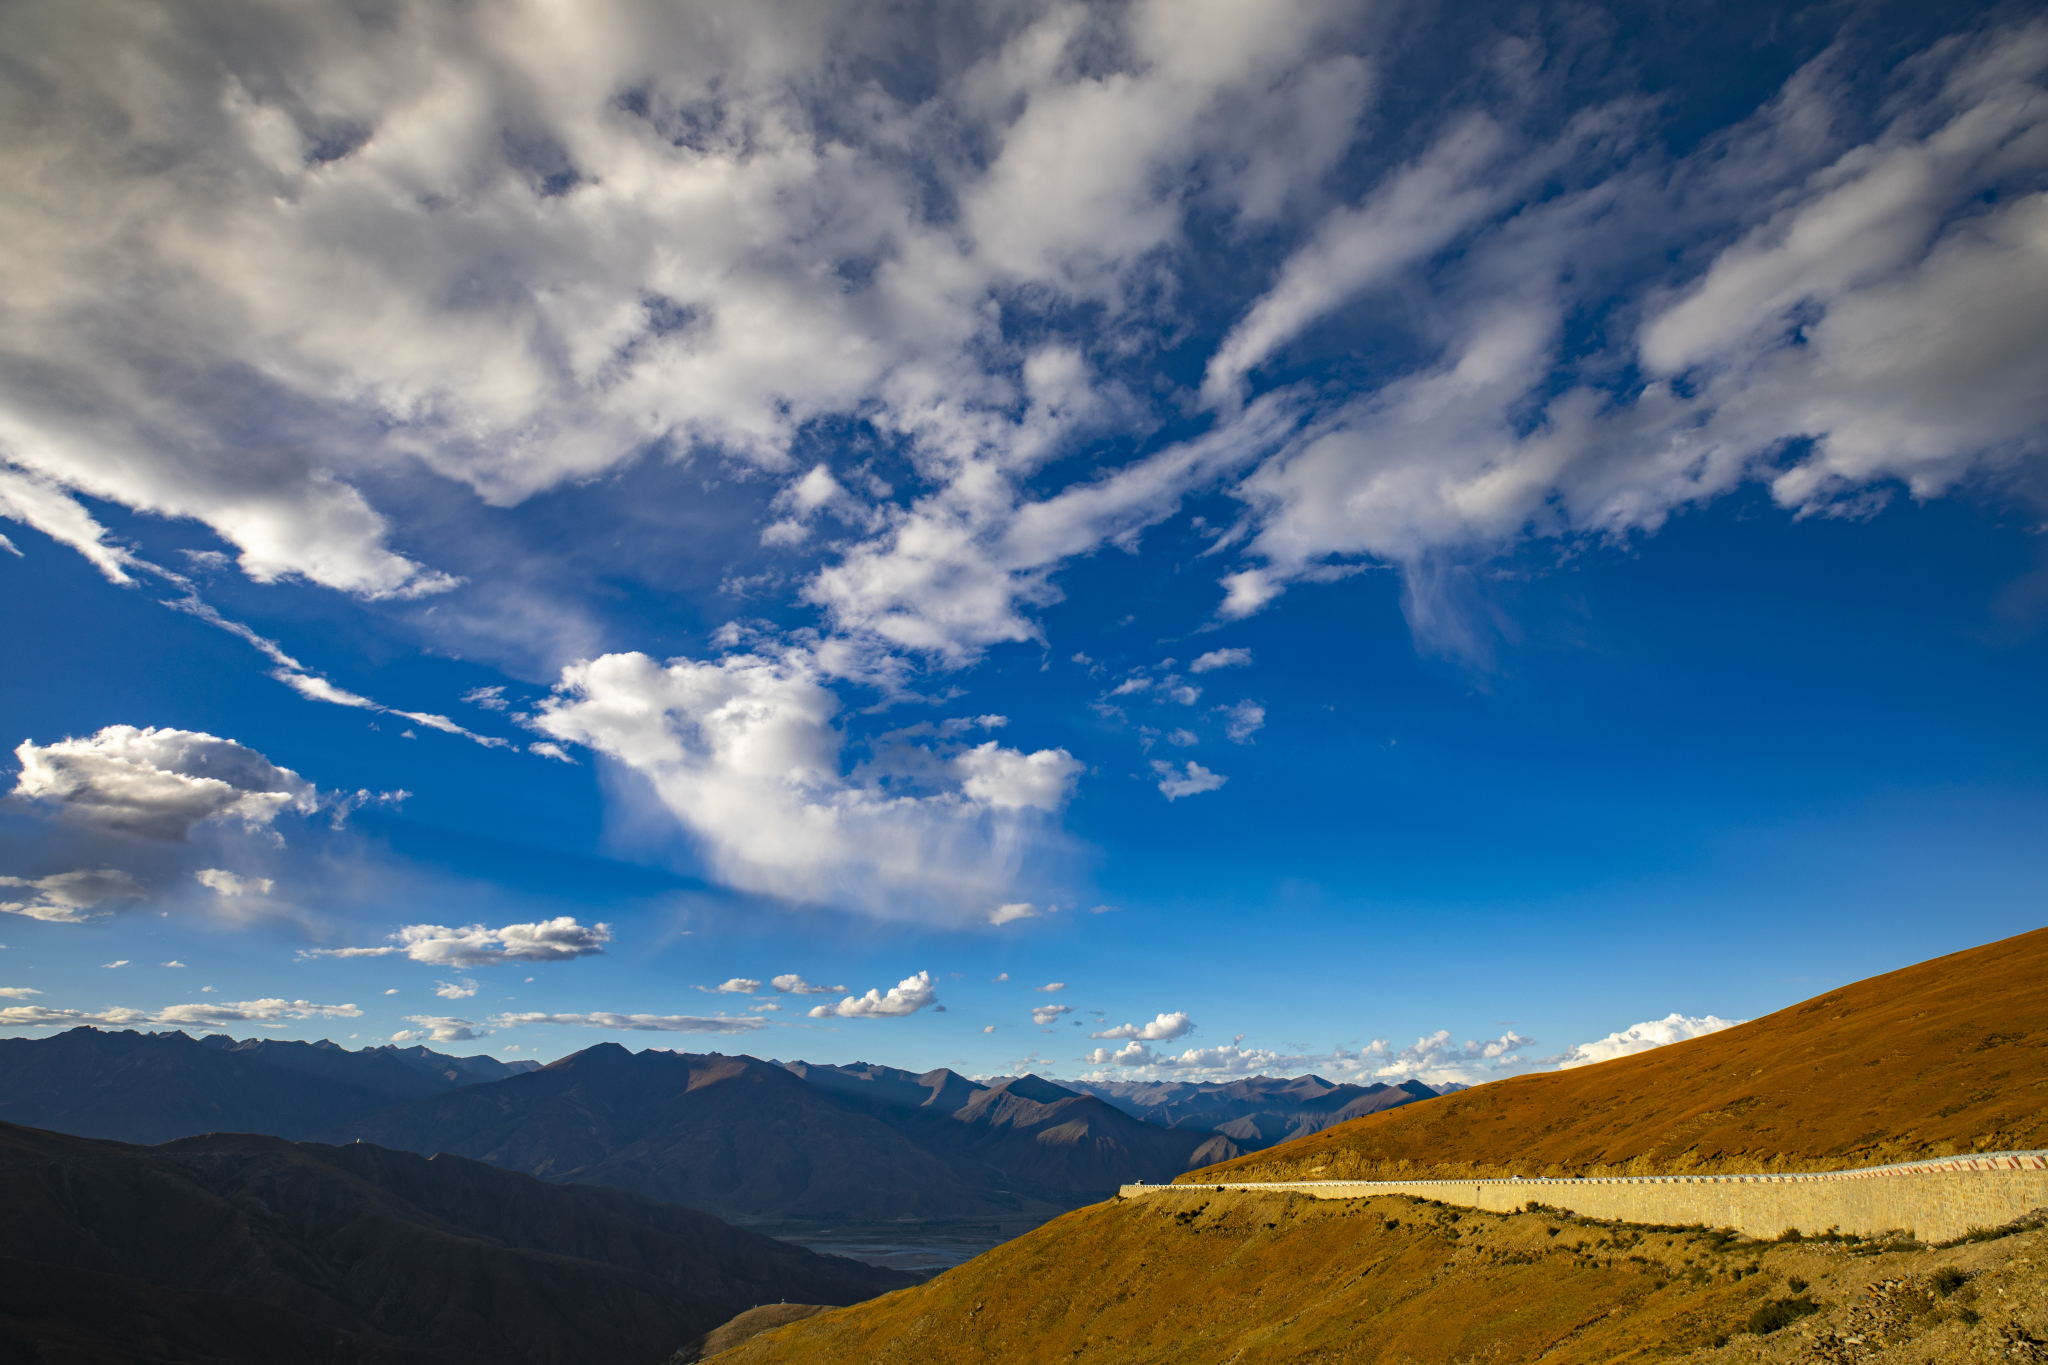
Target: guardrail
[1937, 1200]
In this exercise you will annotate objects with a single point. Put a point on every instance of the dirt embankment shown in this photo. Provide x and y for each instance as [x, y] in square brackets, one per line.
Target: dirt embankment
[1197, 1276]
[1942, 1057]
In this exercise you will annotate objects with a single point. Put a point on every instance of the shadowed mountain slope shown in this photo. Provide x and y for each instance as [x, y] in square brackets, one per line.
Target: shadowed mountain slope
[753, 1139]
[240, 1250]
[732, 1135]
[151, 1087]
[1944, 1056]
[1257, 1111]
[1052, 1139]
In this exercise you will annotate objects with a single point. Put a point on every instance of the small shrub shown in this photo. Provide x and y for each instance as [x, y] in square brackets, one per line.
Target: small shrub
[1796, 1285]
[1769, 1317]
[1948, 1281]
[1969, 1317]
[1791, 1235]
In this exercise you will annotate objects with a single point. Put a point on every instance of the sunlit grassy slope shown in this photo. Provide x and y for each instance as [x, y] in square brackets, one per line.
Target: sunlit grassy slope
[1945, 1056]
[1950, 1055]
[1187, 1277]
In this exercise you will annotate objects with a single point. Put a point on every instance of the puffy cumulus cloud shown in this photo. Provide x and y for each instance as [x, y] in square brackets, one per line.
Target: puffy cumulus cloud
[159, 783]
[1220, 658]
[791, 984]
[636, 1023]
[1050, 987]
[1190, 780]
[561, 939]
[435, 1028]
[69, 897]
[455, 990]
[907, 996]
[1012, 912]
[1042, 1015]
[1165, 1028]
[1007, 779]
[738, 985]
[226, 883]
[1673, 1028]
[744, 753]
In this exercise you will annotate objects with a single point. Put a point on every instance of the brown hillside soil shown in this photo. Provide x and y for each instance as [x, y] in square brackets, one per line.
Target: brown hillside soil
[749, 1324]
[1943, 1057]
[1194, 1276]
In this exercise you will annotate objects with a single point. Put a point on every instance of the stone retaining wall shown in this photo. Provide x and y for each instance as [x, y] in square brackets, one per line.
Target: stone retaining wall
[1936, 1201]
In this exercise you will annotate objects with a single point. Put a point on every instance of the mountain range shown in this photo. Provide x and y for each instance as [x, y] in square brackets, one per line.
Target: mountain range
[242, 1250]
[736, 1136]
[752, 1139]
[152, 1087]
[1258, 1111]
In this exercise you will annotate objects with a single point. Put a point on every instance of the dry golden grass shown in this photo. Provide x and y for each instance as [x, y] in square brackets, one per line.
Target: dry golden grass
[1192, 1276]
[1943, 1057]
[1951, 1055]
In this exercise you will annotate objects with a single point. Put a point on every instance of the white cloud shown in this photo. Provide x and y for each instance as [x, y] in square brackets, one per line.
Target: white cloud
[1243, 720]
[792, 984]
[738, 985]
[1164, 1028]
[438, 1029]
[1184, 738]
[387, 276]
[988, 1028]
[561, 939]
[1673, 1028]
[1010, 913]
[70, 897]
[18, 992]
[1221, 658]
[455, 990]
[38, 1016]
[179, 1016]
[231, 884]
[172, 963]
[1042, 1015]
[159, 784]
[744, 754]
[1879, 312]
[1050, 987]
[908, 996]
[117, 962]
[635, 1023]
[1192, 781]
[252, 1011]
[489, 698]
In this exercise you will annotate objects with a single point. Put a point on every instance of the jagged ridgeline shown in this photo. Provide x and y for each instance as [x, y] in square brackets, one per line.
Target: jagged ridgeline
[1947, 1056]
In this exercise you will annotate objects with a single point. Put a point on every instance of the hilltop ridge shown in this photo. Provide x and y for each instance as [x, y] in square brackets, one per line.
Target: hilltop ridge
[1945, 1056]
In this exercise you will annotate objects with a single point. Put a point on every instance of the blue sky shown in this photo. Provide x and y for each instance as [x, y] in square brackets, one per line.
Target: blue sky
[1340, 537]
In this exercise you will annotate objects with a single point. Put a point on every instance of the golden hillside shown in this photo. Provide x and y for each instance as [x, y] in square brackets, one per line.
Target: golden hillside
[1187, 1277]
[1945, 1056]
